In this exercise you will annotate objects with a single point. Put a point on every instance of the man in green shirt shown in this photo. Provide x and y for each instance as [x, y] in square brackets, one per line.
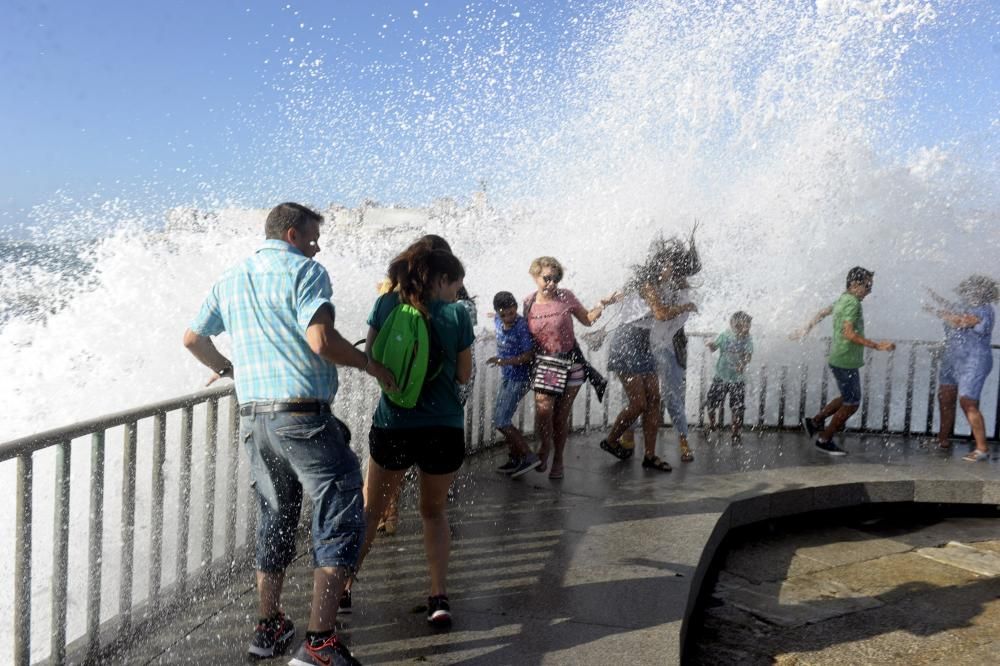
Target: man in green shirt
[847, 355]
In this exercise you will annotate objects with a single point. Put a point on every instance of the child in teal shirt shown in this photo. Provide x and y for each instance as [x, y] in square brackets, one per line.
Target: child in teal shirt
[735, 348]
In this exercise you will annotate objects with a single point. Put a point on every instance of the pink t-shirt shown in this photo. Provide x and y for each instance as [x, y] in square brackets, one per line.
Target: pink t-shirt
[551, 324]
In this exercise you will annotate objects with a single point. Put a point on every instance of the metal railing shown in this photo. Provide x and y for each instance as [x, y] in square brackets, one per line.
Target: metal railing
[90, 578]
[194, 547]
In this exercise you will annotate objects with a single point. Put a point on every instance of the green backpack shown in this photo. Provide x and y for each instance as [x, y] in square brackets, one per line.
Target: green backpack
[405, 345]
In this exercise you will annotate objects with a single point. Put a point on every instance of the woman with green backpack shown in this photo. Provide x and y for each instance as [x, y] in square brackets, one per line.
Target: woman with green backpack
[425, 338]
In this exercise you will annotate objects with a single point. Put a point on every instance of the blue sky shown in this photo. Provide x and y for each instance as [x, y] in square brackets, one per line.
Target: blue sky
[179, 100]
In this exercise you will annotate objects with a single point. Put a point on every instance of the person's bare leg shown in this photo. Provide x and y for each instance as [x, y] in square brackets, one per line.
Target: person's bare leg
[976, 422]
[544, 411]
[518, 445]
[380, 486]
[328, 583]
[269, 586]
[829, 410]
[635, 393]
[651, 415]
[837, 422]
[437, 536]
[560, 424]
[947, 397]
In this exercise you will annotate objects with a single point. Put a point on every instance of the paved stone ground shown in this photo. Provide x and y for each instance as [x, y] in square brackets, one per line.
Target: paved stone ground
[905, 588]
[602, 567]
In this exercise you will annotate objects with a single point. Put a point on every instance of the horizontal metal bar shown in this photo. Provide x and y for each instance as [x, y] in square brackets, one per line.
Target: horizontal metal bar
[32, 443]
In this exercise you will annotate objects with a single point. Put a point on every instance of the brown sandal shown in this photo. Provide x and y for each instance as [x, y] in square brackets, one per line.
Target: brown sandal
[687, 455]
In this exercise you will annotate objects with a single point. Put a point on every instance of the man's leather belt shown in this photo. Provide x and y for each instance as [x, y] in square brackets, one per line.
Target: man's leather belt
[311, 407]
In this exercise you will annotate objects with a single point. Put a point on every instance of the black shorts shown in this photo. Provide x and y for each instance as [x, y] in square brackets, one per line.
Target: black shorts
[435, 450]
[717, 394]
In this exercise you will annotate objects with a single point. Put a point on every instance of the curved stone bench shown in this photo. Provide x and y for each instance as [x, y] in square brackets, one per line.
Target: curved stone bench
[823, 497]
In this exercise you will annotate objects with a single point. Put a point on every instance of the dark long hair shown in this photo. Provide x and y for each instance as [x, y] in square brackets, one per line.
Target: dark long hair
[414, 271]
[673, 252]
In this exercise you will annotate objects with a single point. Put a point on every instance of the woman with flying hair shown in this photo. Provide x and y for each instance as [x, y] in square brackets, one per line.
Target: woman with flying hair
[631, 356]
[967, 358]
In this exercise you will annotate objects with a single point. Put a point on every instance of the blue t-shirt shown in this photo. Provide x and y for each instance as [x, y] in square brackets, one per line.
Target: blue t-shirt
[439, 403]
[511, 343]
[972, 341]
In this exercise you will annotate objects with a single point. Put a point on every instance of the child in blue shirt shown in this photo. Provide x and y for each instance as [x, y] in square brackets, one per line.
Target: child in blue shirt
[735, 348]
[515, 351]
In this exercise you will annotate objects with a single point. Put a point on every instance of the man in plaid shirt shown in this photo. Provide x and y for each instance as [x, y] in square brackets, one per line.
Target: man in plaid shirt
[276, 308]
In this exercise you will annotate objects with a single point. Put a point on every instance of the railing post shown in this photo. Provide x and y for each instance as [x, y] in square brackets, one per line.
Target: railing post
[803, 388]
[480, 390]
[156, 508]
[468, 425]
[95, 545]
[184, 495]
[232, 481]
[866, 382]
[60, 551]
[887, 406]
[996, 423]
[911, 371]
[783, 378]
[22, 562]
[824, 382]
[763, 396]
[127, 526]
[494, 378]
[208, 499]
[931, 387]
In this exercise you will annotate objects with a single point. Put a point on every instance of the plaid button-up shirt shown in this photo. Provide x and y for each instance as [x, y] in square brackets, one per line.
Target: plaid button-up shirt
[266, 304]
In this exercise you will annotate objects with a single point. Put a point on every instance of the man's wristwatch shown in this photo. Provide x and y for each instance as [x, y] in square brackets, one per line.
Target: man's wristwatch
[226, 371]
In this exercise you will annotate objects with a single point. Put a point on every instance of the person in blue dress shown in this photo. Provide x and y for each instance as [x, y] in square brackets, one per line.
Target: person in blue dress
[967, 358]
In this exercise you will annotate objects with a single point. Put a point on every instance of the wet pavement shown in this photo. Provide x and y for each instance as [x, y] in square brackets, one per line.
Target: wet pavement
[601, 567]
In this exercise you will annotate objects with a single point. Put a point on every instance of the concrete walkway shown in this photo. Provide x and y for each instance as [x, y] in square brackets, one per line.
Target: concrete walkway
[602, 567]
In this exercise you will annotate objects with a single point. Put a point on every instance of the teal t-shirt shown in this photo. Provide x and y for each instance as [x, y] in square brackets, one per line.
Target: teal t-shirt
[843, 352]
[733, 352]
[439, 404]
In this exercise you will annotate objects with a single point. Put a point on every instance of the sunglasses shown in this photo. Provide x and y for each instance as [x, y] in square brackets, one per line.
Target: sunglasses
[549, 279]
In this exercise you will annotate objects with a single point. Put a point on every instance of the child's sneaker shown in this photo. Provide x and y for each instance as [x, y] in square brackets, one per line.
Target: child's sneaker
[438, 611]
[328, 652]
[271, 637]
[509, 466]
[527, 463]
[830, 448]
[810, 427]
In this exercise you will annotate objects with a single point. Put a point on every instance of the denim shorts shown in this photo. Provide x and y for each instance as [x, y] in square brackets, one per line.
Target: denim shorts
[291, 453]
[630, 353]
[849, 384]
[508, 397]
[968, 373]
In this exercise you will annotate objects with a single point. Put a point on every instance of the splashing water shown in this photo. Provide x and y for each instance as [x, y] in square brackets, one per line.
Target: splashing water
[777, 124]
[771, 122]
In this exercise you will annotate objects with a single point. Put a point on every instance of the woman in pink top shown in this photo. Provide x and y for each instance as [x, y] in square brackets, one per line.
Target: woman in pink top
[550, 312]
